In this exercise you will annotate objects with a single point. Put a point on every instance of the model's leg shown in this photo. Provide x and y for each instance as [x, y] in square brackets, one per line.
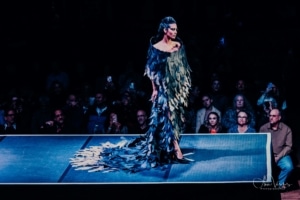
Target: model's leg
[177, 150]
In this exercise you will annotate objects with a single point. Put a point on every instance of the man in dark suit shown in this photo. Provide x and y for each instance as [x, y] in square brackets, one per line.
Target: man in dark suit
[9, 126]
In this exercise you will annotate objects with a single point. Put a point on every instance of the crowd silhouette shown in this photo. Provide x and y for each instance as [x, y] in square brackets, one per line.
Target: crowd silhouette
[88, 100]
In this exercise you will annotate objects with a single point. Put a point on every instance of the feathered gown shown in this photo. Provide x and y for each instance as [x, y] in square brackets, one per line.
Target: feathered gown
[171, 74]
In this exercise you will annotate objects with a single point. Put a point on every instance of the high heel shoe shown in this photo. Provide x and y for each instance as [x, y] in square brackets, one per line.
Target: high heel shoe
[182, 160]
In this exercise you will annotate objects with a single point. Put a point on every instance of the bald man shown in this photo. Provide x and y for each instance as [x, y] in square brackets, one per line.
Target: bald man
[281, 136]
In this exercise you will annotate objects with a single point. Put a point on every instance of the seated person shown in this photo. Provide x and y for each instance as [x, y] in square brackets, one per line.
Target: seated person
[203, 112]
[142, 124]
[9, 126]
[242, 125]
[239, 103]
[212, 124]
[282, 141]
[114, 126]
[97, 114]
[57, 125]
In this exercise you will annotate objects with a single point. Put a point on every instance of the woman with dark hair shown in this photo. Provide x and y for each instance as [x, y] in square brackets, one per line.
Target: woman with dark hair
[242, 123]
[212, 124]
[239, 102]
[169, 72]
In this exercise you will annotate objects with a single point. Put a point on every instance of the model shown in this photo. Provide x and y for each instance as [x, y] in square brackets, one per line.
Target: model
[169, 72]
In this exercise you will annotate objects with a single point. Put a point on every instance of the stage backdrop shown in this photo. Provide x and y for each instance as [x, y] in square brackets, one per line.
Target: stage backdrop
[219, 158]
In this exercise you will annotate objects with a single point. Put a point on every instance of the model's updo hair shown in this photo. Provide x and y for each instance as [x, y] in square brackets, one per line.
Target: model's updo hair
[164, 23]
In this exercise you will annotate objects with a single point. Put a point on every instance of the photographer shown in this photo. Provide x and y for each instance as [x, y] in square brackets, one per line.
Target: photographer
[114, 125]
[270, 98]
[273, 95]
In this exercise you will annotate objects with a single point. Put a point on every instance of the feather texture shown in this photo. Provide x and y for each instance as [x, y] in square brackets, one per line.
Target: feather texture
[171, 74]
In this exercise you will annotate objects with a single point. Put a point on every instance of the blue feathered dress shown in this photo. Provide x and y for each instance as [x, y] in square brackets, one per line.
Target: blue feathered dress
[170, 73]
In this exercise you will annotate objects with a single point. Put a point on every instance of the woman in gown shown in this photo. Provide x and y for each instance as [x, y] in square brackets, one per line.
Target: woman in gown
[169, 73]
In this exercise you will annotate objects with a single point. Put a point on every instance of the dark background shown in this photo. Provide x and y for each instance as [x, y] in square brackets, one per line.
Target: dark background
[258, 37]
[261, 39]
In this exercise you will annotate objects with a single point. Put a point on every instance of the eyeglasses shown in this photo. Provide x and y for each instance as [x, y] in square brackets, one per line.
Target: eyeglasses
[243, 117]
[273, 115]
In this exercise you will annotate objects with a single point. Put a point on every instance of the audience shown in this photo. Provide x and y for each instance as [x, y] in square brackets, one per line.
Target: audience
[142, 123]
[217, 93]
[282, 143]
[242, 125]
[56, 125]
[41, 114]
[212, 124]
[114, 126]
[10, 126]
[202, 113]
[74, 113]
[57, 74]
[241, 86]
[89, 112]
[86, 95]
[23, 112]
[57, 94]
[109, 85]
[271, 98]
[272, 94]
[97, 114]
[239, 103]
[126, 110]
[194, 104]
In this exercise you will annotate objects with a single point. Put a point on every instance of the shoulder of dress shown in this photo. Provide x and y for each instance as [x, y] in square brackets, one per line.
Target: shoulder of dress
[153, 40]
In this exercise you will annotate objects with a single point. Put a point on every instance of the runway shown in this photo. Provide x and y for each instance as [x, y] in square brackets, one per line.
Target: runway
[218, 159]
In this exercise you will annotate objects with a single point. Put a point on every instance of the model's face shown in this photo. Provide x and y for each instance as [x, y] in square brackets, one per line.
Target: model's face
[171, 32]
[212, 119]
[242, 118]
